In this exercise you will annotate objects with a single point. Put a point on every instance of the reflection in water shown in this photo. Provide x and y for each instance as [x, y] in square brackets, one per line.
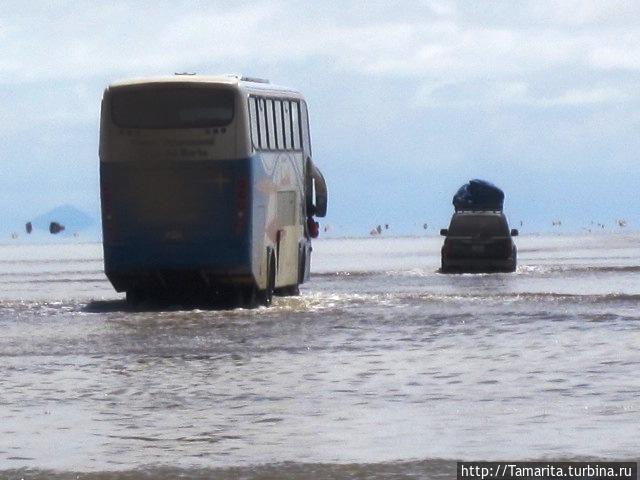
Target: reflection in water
[380, 361]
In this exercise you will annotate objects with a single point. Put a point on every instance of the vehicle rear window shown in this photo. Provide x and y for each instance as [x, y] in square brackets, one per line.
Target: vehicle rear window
[478, 225]
[172, 108]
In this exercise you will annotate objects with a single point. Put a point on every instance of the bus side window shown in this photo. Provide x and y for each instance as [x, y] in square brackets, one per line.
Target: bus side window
[278, 113]
[304, 124]
[286, 116]
[253, 119]
[270, 126]
[295, 124]
[262, 124]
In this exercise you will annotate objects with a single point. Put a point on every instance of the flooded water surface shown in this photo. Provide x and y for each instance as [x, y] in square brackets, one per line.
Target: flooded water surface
[382, 367]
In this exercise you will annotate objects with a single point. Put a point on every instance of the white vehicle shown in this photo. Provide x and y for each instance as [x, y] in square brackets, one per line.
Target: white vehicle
[208, 188]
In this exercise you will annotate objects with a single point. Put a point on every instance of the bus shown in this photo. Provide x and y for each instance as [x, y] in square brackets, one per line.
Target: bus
[208, 189]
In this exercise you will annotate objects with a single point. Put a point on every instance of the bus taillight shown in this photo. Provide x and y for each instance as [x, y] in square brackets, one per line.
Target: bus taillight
[313, 227]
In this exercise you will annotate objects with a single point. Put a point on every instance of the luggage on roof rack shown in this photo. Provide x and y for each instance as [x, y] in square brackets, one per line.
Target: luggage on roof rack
[478, 195]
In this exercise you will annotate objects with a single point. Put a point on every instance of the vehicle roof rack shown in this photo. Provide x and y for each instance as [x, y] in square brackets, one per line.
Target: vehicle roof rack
[254, 79]
[476, 210]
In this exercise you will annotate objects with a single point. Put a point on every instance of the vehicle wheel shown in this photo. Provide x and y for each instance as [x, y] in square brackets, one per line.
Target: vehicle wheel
[248, 297]
[266, 296]
[514, 264]
[301, 267]
[134, 297]
[290, 291]
[443, 267]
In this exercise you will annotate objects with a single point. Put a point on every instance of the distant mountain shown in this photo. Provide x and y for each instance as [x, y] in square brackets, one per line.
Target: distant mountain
[69, 216]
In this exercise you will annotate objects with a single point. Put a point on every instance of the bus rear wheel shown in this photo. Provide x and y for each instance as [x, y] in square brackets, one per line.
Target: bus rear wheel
[248, 297]
[302, 265]
[266, 295]
[135, 297]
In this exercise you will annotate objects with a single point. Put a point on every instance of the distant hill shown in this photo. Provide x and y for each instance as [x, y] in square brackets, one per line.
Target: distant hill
[72, 218]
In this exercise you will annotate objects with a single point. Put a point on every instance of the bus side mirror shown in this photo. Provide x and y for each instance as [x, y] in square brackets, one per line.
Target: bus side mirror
[320, 208]
[514, 232]
[444, 232]
[316, 183]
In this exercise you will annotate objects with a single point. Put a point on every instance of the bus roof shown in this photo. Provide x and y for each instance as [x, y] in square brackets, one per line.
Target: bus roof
[246, 83]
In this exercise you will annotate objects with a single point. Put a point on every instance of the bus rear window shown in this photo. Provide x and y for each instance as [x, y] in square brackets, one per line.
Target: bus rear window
[172, 108]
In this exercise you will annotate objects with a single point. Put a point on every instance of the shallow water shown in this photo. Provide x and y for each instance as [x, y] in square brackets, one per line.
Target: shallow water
[381, 367]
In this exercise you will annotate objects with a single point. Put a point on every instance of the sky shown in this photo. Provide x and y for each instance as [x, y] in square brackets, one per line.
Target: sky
[407, 99]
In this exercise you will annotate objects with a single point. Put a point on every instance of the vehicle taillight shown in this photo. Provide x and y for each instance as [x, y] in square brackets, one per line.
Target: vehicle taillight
[313, 227]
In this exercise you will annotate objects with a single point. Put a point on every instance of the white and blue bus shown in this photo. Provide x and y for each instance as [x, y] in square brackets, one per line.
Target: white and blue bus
[207, 188]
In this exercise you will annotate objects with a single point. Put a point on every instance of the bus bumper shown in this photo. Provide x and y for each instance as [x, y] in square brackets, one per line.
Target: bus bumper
[177, 267]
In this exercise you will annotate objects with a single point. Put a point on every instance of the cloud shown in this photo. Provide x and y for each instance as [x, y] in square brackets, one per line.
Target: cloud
[583, 13]
[591, 96]
[436, 38]
[623, 56]
[442, 54]
[521, 94]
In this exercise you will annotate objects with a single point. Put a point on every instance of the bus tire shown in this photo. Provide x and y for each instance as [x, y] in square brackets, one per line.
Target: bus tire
[266, 295]
[248, 297]
[301, 266]
[292, 290]
[134, 297]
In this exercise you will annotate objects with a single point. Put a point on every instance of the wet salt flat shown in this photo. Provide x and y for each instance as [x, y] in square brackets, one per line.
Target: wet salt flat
[381, 367]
